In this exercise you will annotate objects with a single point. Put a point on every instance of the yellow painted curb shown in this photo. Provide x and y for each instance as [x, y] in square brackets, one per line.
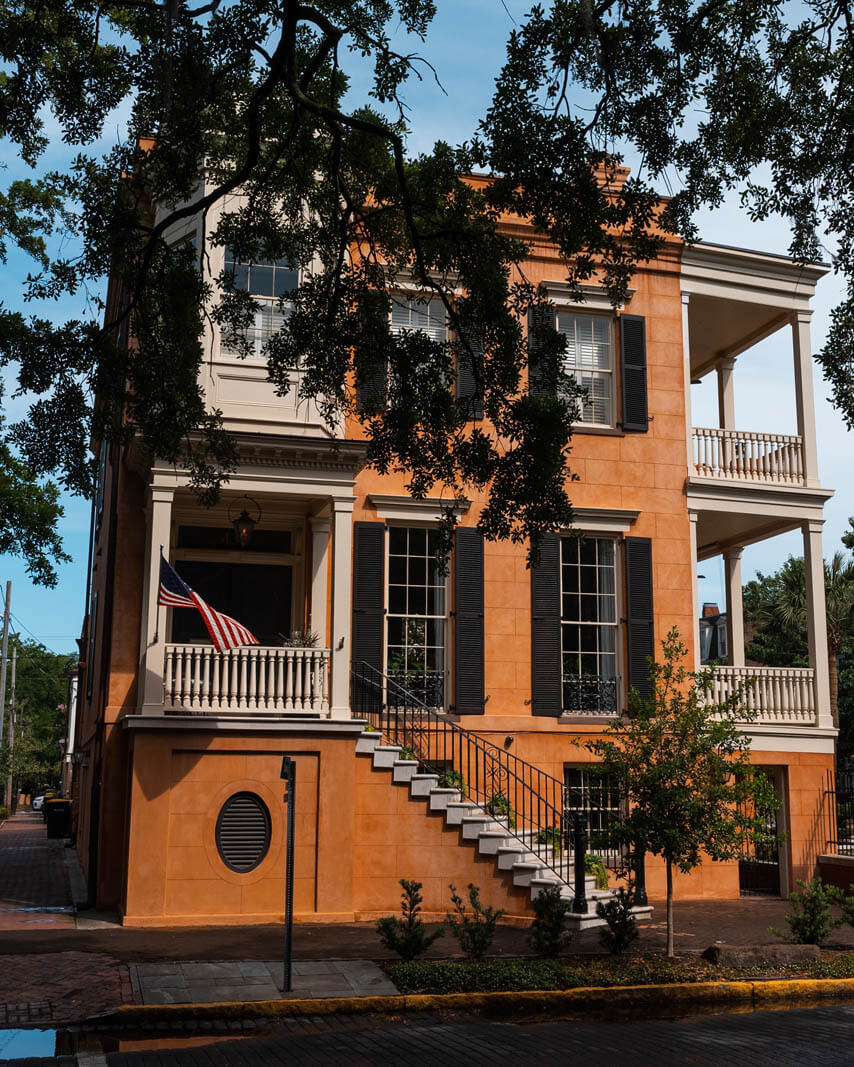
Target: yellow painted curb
[755, 994]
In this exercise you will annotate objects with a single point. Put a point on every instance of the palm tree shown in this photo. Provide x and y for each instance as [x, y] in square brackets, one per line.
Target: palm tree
[783, 603]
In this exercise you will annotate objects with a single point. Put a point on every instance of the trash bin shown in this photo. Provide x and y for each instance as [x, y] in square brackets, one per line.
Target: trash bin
[58, 817]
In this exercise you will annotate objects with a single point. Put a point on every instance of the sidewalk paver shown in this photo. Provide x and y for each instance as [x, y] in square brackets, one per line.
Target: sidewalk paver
[197, 982]
[35, 891]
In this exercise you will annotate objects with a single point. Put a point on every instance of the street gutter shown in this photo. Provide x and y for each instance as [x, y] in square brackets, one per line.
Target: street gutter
[668, 999]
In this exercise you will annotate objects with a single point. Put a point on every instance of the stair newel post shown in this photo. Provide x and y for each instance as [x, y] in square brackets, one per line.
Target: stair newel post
[579, 844]
[640, 876]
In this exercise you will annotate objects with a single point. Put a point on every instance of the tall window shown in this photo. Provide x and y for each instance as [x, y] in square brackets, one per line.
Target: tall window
[589, 625]
[416, 617]
[589, 358]
[596, 798]
[427, 316]
[266, 281]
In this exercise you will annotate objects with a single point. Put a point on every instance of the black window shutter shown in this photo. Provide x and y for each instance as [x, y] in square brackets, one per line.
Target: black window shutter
[546, 674]
[468, 618]
[539, 318]
[371, 389]
[368, 594]
[633, 360]
[640, 636]
[372, 354]
[467, 386]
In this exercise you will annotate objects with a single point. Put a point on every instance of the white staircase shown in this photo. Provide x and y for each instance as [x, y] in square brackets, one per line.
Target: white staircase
[534, 866]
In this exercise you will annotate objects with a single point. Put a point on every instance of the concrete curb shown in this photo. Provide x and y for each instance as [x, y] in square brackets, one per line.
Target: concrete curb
[650, 998]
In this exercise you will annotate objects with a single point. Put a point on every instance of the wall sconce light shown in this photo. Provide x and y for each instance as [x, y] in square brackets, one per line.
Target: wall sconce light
[244, 525]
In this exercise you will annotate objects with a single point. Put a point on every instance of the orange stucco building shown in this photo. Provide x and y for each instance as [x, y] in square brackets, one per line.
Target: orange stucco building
[180, 818]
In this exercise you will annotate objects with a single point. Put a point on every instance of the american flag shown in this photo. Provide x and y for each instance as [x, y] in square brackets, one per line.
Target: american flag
[226, 633]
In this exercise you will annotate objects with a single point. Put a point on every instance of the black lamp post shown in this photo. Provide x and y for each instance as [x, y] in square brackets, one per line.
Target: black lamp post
[289, 777]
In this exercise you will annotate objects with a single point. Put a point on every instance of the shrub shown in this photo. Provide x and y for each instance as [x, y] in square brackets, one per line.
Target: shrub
[4, 813]
[551, 835]
[368, 729]
[596, 865]
[810, 921]
[407, 752]
[548, 935]
[622, 927]
[451, 779]
[499, 806]
[408, 937]
[476, 931]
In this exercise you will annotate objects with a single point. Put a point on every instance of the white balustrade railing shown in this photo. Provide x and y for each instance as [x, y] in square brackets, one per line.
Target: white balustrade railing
[774, 694]
[747, 456]
[256, 678]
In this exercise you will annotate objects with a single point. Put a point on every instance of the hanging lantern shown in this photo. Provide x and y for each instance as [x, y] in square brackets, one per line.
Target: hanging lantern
[244, 525]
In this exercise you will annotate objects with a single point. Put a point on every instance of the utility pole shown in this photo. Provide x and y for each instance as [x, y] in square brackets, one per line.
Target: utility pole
[9, 801]
[5, 653]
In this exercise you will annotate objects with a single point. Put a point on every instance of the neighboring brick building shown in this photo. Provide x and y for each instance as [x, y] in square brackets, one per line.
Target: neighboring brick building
[533, 662]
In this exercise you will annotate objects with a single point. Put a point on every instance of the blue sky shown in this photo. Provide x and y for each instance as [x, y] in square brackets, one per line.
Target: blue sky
[466, 45]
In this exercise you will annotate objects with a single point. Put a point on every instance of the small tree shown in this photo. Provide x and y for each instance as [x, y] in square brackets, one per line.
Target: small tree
[407, 936]
[548, 935]
[474, 931]
[683, 765]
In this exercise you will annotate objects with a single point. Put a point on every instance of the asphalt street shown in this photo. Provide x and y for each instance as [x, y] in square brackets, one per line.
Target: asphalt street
[823, 1035]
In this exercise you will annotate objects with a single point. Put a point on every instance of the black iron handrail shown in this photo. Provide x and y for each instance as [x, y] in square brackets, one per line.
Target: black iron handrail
[528, 804]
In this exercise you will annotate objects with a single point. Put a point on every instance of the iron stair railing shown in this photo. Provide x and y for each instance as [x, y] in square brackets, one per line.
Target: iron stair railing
[529, 805]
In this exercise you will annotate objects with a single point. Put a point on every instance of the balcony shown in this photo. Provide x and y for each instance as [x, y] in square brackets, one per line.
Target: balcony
[776, 695]
[738, 455]
[255, 680]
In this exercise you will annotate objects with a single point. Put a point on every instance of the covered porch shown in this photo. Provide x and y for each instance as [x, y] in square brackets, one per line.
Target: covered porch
[285, 575]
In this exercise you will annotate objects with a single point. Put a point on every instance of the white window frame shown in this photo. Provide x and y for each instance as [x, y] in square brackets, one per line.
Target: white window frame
[412, 300]
[573, 369]
[446, 619]
[619, 657]
[271, 306]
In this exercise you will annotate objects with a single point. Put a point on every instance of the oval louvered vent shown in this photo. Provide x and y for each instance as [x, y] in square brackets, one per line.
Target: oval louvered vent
[243, 832]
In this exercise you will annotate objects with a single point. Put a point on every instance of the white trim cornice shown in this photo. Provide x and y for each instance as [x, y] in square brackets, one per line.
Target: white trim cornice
[594, 297]
[427, 509]
[604, 520]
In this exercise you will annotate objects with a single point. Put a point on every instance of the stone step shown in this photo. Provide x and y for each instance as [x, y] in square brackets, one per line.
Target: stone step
[440, 798]
[385, 756]
[456, 811]
[403, 770]
[420, 785]
[474, 825]
[525, 870]
[367, 742]
[489, 842]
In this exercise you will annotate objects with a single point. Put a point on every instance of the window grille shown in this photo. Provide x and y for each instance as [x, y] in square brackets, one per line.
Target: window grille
[417, 610]
[425, 315]
[596, 798]
[267, 281]
[589, 358]
[589, 625]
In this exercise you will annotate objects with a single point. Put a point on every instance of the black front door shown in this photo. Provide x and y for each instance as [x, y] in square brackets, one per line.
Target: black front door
[257, 595]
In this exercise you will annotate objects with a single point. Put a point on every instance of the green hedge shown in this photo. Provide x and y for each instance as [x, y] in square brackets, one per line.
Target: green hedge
[4, 813]
[495, 976]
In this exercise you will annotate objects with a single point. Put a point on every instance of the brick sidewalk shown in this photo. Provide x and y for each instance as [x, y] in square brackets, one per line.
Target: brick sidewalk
[33, 876]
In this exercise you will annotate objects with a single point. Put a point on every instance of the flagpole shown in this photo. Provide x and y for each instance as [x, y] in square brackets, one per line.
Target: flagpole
[157, 602]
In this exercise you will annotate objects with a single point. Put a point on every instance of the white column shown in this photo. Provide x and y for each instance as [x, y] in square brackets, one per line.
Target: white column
[159, 514]
[726, 394]
[734, 607]
[695, 608]
[804, 396]
[319, 577]
[342, 607]
[686, 360]
[817, 619]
